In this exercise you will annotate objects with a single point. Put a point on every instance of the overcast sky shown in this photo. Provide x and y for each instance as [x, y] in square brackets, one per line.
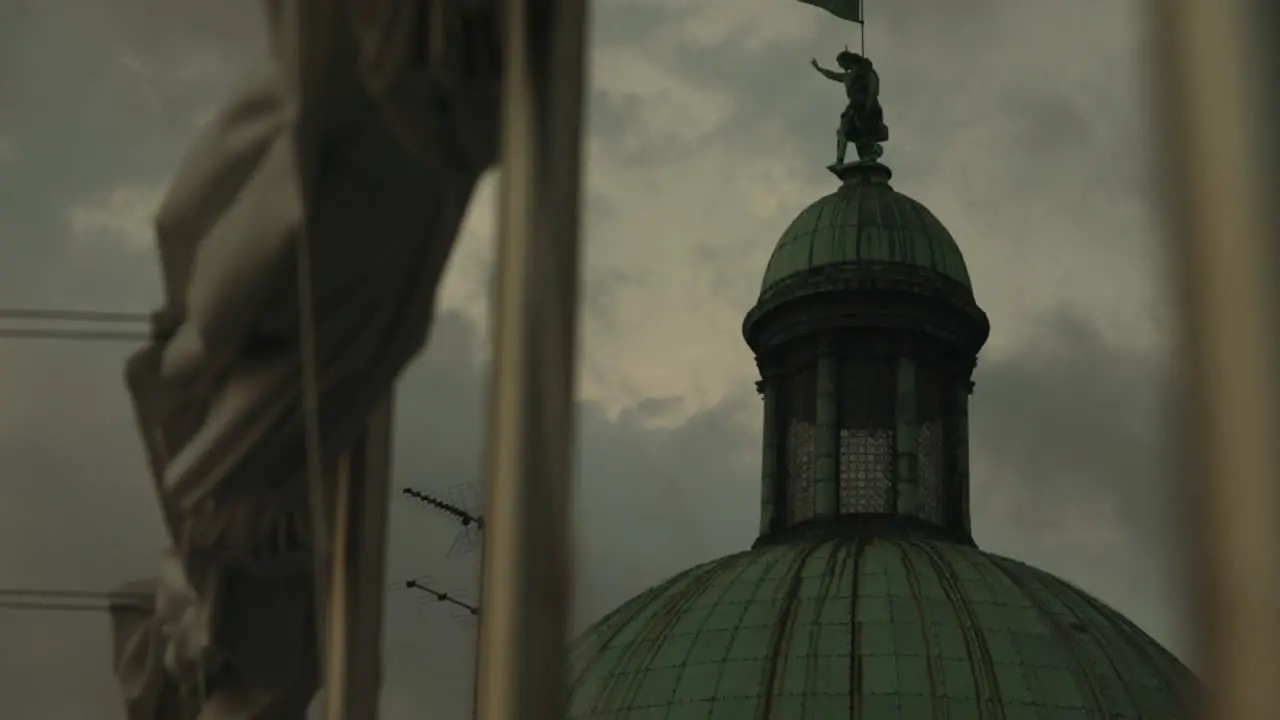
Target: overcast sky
[1021, 124]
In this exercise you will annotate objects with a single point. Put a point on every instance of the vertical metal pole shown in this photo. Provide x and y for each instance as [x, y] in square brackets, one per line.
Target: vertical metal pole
[1218, 84]
[527, 549]
[862, 28]
[357, 576]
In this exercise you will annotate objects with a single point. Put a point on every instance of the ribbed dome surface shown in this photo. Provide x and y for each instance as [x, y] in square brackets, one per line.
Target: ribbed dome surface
[876, 629]
[864, 222]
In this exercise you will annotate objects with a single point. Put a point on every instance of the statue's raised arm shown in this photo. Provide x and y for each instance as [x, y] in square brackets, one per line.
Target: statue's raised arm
[828, 74]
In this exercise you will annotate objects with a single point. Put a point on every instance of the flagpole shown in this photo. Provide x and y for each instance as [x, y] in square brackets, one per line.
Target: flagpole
[527, 550]
[862, 28]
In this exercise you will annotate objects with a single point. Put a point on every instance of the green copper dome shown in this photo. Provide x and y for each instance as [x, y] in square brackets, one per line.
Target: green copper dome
[876, 628]
[864, 221]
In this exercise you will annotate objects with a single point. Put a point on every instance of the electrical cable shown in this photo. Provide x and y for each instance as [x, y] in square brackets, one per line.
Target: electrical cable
[101, 316]
[72, 334]
[33, 599]
[46, 332]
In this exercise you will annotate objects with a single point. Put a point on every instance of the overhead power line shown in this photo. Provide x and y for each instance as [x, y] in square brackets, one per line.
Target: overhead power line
[22, 331]
[93, 316]
[39, 606]
[72, 334]
[30, 599]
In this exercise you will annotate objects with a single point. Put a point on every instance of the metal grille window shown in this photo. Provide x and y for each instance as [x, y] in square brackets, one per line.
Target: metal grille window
[865, 411]
[799, 416]
[866, 458]
[801, 439]
[931, 451]
[929, 466]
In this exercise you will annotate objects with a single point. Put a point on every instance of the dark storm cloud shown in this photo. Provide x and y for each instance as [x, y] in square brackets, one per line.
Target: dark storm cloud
[1078, 416]
[620, 21]
[610, 115]
[1073, 472]
[599, 297]
[721, 273]
[1048, 125]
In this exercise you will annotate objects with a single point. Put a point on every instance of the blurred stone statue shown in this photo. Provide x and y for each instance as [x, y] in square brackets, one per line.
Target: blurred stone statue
[862, 121]
[353, 147]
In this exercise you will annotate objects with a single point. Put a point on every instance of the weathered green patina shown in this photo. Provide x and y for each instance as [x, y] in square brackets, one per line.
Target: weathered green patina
[865, 221]
[872, 627]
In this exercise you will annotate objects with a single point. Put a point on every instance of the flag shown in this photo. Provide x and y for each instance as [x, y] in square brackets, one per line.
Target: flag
[850, 10]
[301, 246]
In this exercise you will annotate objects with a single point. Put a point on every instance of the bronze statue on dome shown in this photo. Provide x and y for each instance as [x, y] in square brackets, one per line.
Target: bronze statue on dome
[862, 121]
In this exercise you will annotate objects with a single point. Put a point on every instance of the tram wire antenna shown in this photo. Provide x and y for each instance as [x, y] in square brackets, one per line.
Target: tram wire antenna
[443, 597]
[463, 517]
